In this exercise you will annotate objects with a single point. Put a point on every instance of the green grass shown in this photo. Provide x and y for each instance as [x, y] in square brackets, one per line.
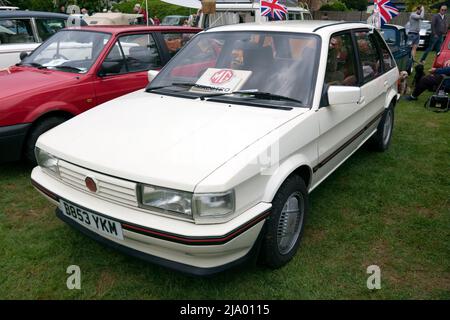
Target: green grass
[389, 209]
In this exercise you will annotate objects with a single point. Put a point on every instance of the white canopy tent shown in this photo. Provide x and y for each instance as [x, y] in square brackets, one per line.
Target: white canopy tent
[194, 4]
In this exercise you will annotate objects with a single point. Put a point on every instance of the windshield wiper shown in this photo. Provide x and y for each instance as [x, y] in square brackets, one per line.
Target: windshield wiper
[181, 84]
[34, 64]
[254, 92]
[68, 68]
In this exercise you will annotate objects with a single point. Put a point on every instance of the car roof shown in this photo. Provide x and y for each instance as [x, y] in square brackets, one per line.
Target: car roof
[308, 26]
[392, 26]
[31, 14]
[114, 29]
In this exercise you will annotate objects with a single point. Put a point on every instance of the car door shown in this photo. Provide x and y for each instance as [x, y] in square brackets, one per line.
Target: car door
[344, 127]
[16, 35]
[339, 123]
[405, 52]
[124, 69]
[375, 83]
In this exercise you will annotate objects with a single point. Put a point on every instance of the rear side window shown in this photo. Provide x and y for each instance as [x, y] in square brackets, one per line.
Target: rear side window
[390, 36]
[388, 60]
[48, 27]
[175, 41]
[368, 54]
[16, 31]
[341, 70]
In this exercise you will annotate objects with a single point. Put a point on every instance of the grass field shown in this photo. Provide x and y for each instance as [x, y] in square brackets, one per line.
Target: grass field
[388, 209]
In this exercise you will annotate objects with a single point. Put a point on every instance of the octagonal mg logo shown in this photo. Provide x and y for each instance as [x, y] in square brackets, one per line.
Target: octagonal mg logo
[91, 184]
[222, 76]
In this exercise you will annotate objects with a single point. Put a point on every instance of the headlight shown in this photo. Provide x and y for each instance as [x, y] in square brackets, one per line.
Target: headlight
[46, 160]
[214, 204]
[194, 206]
[166, 199]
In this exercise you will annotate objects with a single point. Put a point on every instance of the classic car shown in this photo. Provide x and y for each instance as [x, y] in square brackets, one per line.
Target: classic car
[73, 71]
[214, 162]
[25, 31]
[396, 38]
[174, 20]
[444, 55]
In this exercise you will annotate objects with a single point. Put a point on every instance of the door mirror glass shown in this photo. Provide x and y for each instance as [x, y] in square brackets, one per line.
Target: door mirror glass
[339, 95]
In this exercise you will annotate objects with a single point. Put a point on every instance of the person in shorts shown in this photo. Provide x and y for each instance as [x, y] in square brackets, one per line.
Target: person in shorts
[414, 29]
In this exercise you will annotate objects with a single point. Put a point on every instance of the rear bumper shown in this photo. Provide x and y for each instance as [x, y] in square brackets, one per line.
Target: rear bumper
[12, 139]
[179, 245]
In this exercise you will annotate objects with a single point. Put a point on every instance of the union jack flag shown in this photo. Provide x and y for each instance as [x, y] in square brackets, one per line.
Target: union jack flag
[273, 9]
[386, 10]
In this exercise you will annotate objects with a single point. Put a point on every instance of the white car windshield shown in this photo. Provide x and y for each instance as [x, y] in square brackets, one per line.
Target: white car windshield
[219, 63]
[69, 50]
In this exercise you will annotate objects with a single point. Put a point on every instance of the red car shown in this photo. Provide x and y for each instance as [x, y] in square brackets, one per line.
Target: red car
[73, 71]
[444, 54]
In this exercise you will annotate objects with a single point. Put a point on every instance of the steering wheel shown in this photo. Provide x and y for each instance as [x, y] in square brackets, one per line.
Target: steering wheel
[59, 55]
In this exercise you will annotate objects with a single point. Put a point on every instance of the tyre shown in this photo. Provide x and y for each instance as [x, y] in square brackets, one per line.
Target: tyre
[38, 129]
[381, 140]
[284, 227]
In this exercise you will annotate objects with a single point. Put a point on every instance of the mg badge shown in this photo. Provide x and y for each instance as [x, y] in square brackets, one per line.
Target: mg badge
[91, 184]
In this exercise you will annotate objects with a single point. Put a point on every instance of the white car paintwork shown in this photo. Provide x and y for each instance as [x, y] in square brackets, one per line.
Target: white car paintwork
[205, 147]
[10, 53]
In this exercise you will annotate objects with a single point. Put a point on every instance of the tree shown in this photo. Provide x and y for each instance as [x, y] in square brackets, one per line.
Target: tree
[359, 5]
[334, 6]
[39, 5]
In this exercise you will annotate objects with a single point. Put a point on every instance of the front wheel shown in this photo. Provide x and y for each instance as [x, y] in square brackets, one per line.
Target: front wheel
[284, 227]
[38, 129]
[382, 138]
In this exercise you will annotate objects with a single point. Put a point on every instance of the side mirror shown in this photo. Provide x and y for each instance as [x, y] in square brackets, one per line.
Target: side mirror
[109, 67]
[343, 95]
[152, 74]
[23, 55]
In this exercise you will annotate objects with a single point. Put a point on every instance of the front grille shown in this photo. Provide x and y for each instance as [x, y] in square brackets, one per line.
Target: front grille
[109, 188]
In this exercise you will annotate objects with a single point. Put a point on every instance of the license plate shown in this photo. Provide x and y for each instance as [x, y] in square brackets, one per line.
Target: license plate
[91, 220]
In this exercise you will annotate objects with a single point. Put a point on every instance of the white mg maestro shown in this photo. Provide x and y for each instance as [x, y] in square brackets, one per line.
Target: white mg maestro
[213, 163]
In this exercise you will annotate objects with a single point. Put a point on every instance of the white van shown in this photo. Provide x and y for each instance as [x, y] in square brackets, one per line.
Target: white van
[247, 11]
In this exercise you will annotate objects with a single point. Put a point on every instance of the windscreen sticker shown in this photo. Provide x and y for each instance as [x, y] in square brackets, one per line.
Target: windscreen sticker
[221, 80]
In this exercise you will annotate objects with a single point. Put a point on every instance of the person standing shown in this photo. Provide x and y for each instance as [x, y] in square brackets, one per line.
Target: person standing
[439, 28]
[138, 10]
[414, 29]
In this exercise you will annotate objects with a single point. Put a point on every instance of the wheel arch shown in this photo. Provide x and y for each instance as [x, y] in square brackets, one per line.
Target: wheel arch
[296, 165]
[391, 98]
[54, 113]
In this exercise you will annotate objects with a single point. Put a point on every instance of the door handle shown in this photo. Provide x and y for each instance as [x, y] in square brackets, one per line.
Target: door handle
[361, 100]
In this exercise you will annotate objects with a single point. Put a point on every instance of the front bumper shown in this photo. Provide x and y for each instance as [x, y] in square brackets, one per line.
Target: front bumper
[11, 141]
[180, 245]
